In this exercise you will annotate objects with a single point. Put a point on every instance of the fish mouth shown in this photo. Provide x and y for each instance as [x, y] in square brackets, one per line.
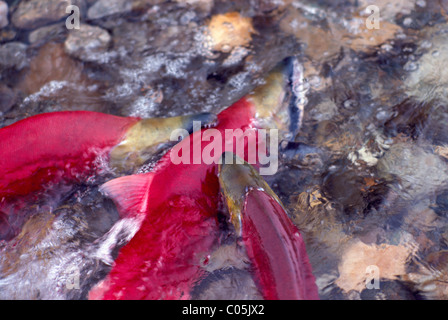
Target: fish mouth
[206, 119]
[237, 178]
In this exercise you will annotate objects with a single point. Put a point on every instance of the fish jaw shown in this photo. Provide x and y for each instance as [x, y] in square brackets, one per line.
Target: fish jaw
[143, 138]
[273, 243]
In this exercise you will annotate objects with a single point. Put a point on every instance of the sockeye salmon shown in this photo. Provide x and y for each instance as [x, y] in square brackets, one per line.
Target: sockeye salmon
[178, 202]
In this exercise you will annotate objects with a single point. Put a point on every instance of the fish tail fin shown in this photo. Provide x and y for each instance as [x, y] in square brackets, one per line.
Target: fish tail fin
[130, 193]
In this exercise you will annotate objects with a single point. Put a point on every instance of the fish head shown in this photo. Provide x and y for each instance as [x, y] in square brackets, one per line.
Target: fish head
[276, 100]
[148, 136]
[237, 178]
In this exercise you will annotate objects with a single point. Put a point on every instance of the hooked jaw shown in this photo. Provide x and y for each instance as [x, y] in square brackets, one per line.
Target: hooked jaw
[144, 138]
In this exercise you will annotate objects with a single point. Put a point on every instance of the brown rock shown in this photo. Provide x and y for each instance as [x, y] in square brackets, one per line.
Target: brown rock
[87, 43]
[32, 14]
[51, 64]
[390, 259]
[229, 30]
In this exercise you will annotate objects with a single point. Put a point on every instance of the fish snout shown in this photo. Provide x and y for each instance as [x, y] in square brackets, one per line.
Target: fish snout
[144, 139]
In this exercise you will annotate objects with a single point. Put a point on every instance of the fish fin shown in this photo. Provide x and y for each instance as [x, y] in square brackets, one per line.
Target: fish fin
[130, 193]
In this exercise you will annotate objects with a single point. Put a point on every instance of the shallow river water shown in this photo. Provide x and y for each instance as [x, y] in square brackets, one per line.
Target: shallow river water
[365, 178]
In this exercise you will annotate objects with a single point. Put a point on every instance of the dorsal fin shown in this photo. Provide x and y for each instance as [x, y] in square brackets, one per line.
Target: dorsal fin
[130, 193]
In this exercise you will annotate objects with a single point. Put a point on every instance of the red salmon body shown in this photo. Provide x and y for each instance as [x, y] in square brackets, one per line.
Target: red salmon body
[51, 146]
[276, 250]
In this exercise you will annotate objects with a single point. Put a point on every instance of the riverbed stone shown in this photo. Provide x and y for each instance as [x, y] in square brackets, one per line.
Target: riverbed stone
[103, 8]
[7, 98]
[88, 43]
[3, 14]
[418, 171]
[46, 33]
[13, 55]
[32, 14]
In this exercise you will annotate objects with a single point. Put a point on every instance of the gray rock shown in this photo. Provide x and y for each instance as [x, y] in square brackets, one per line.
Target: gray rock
[227, 284]
[46, 33]
[419, 173]
[427, 80]
[103, 8]
[3, 14]
[88, 43]
[13, 55]
[32, 14]
[7, 98]
[325, 110]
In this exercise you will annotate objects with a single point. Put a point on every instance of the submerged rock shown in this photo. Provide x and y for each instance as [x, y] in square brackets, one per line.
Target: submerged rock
[13, 55]
[391, 261]
[46, 33]
[35, 13]
[7, 98]
[60, 254]
[103, 8]
[388, 290]
[56, 82]
[228, 31]
[7, 34]
[227, 284]
[419, 172]
[205, 5]
[50, 64]
[3, 14]
[89, 43]
[431, 276]
[427, 80]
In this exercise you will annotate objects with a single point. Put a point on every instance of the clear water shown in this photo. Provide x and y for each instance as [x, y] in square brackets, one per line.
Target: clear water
[366, 179]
